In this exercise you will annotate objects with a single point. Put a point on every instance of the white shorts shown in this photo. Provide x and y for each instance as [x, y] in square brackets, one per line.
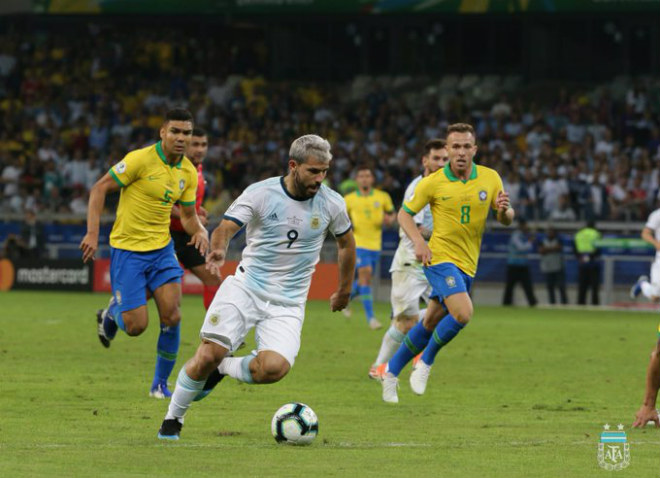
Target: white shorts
[235, 310]
[407, 289]
[655, 272]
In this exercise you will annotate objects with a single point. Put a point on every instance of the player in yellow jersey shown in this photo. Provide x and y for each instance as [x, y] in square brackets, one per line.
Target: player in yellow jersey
[142, 258]
[461, 196]
[369, 209]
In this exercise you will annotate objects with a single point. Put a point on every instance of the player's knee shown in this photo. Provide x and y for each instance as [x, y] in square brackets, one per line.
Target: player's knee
[271, 369]
[134, 329]
[464, 314]
[404, 323]
[171, 318]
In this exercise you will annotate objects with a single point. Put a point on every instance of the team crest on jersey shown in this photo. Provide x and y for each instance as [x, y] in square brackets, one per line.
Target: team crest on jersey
[214, 319]
[182, 184]
[316, 222]
[483, 195]
[451, 282]
[376, 204]
[121, 167]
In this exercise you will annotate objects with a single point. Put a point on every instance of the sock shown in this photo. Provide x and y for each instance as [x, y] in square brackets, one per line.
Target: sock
[168, 346]
[209, 294]
[112, 319]
[367, 301]
[237, 367]
[413, 344]
[444, 332]
[184, 393]
[422, 313]
[649, 290]
[391, 342]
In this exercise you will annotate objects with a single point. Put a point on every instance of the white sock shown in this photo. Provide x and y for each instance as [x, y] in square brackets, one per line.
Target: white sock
[649, 290]
[391, 342]
[185, 391]
[422, 313]
[237, 367]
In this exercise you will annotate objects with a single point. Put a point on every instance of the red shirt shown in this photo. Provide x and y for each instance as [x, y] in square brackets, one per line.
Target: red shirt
[175, 222]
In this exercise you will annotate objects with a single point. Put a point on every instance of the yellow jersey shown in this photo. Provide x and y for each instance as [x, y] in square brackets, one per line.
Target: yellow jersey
[150, 186]
[459, 209]
[367, 212]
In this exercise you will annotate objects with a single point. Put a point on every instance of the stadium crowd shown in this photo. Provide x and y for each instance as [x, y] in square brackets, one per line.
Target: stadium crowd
[69, 109]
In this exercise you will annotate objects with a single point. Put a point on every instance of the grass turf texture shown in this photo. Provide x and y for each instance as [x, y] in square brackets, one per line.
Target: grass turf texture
[519, 393]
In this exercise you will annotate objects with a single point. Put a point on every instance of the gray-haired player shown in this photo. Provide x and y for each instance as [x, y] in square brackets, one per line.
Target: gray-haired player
[287, 219]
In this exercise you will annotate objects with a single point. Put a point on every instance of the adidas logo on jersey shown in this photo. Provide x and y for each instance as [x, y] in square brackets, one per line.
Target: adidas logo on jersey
[272, 217]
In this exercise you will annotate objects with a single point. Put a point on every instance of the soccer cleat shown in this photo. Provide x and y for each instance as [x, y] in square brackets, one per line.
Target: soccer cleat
[636, 289]
[159, 390]
[416, 359]
[374, 372]
[100, 331]
[213, 379]
[347, 312]
[170, 429]
[374, 324]
[390, 385]
[419, 377]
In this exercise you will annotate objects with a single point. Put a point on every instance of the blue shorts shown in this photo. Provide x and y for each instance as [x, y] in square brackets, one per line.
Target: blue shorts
[366, 258]
[133, 273]
[446, 279]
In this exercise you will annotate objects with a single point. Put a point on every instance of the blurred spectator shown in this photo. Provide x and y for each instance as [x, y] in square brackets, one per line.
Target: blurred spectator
[517, 269]
[563, 212]
[31, 242]
[588, 266]
[552, 265]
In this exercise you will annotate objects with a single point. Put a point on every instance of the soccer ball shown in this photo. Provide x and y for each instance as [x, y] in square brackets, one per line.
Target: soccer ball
[295, 424]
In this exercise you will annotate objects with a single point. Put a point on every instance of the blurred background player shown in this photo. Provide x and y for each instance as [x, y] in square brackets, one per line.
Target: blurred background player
[188, 255]
[409, 284]
[588, 266]
[552, 265]
[521, 243]
[287, 219]
[142, 259]
[461, 196]
[369, 209]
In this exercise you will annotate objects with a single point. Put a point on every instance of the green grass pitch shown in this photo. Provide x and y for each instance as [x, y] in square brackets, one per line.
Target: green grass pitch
[520, 393]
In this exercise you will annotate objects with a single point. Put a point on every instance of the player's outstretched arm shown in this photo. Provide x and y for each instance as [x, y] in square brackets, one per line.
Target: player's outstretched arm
[90, 242]
[407, 223]
[647, 411]
[199, 236]
[346, 247]
[505, 214]
[219, 242]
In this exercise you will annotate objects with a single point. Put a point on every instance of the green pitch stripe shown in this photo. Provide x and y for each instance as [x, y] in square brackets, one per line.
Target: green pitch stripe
[166, 355]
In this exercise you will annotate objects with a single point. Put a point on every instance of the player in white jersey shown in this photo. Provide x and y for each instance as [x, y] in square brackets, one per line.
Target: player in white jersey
[409, 284]
[650, 288]
[287, 219]
[648, 413]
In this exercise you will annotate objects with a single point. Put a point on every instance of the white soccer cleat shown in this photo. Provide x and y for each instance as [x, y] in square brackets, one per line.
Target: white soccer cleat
[374, 324]
[420, 377]
[347, 312]
[390, 385]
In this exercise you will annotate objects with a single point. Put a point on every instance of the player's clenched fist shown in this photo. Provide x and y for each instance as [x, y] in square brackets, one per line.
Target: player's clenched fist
[88, 246]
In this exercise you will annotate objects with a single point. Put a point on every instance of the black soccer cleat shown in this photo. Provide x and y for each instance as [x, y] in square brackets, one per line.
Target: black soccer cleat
[170, 429]
[213, 379]
[105, 341]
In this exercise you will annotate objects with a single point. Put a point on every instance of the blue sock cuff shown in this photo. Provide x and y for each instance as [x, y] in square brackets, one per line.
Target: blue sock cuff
[245, 368]
[184, 381]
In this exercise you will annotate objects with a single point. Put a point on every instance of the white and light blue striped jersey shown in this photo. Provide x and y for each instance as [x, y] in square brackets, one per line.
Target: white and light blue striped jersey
[284, 237]
[404, 257]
